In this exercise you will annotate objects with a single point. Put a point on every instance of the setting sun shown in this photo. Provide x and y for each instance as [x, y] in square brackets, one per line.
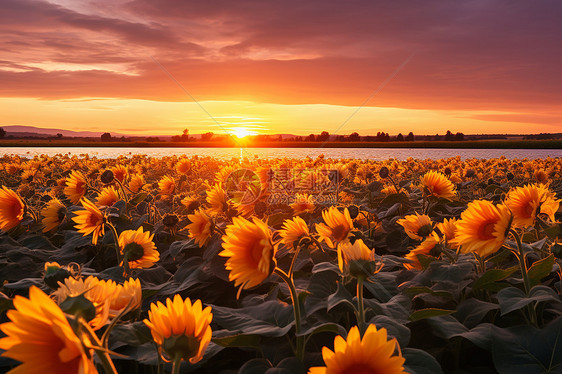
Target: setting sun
[241, 132]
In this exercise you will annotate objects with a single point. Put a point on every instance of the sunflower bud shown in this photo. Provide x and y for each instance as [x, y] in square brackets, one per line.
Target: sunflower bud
[353, 211]
[107, 177]
[470, 173]
[170, 220]
[54, 274]
[447, 171]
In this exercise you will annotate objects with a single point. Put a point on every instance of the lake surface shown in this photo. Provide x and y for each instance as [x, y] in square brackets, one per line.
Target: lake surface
[334, 153]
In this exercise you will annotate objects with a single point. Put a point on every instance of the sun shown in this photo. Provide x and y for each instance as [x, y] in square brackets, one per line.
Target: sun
[241, 132]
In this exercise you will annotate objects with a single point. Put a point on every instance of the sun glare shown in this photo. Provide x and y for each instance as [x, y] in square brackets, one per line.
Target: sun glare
[241, 132]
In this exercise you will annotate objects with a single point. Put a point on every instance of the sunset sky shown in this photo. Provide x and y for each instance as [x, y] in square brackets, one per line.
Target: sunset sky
[300, 67]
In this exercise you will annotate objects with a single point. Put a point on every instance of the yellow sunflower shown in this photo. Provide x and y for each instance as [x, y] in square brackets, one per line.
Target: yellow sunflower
[483, 227]
[424, 248]
[123, 297]
[416, 226]
[526, 202]
[438, 185]
[304, 203]
[136, 183]
[166, 185]
[293, 230]
[449, 230]
[107, 196]
[181, 329]
[372, 354]
[40, 337]
[120, 172]
[95, 309]
[12, 209]
[356, 257]
[138, 248]
[200, 228]
[75, 187]
[191, 202]
[183, 166]
[337, 228]
[90, 221]
[53, 215]
[250, 250]
[216, 197]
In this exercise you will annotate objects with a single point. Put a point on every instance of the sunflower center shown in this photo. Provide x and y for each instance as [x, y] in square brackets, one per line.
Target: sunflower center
[133, 251]
[17, 209]
[260, 252]
[425, 230]
[486, 231]
[80, 187]
[361, 368]
[339, 232]
[181, 345]
[61, 214]
[94, 220]
[529, 210]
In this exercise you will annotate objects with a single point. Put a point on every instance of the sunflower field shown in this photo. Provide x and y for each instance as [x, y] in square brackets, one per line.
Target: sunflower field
[202, 265]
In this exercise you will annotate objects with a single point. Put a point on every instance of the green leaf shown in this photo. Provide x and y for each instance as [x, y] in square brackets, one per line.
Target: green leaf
[394, 328]
[420, 362]
[138, 198]
[540, 269]
[428, 313]
[324, 327]
[134, 334]
[236, 340]
[513, 298]
[492, 276]
[255, 366]
[340, 297]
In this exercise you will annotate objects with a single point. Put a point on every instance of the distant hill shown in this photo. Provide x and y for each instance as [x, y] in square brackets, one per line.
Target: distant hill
[40, 132]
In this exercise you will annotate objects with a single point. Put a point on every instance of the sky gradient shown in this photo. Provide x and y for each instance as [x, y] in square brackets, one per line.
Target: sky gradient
[477, 66]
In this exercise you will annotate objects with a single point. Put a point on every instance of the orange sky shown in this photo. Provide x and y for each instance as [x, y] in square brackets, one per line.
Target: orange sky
[282, 67]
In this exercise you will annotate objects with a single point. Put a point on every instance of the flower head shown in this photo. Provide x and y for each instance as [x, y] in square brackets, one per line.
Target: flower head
[75, 186]
[200, 228]
[124, 297]
[53, 215]
[180, 328]
[357, 258]
[425, 248]
[337, 228]
[120, 172]
[107, 196]
[416, 226]
[372, 354]
[136, 183]
[438, 185]
[216, 197]
[40, 336]
[90, 221]
[167, 185]
[483, 227]
[449, 230]
[250, 252]
[138, 249]
[525, 202]
[304, 203]
[293, 230]
[12, 209]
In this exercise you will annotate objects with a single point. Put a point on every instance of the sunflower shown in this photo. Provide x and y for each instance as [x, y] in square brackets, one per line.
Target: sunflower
[166, 185]
[53, 215]
[191, 202]
[88, 298]
[216, 197]
[250, 250]
[337, 228]
[416, 226]
[372, 354]
[42, 339]
[438, 185]
[525, 202]
[120, 172]
[293, 231]
[138, 248]
[136, 183]
[200, 228]
[89, 221]
[449, 230]
[75, 187]
[483, 227]
[183, 166]
[107, 196]
[181, 329]
[123, 297]
[425, 248]
[356, 257]
[12, 209]
[304, 203]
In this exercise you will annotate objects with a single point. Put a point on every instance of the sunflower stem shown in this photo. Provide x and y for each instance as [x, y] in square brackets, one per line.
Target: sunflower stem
[115, 241]
[102, 354]
[526, 281]
[361, 307]
[177, 364]
[296, 309]
[290, 273]
[125, 196]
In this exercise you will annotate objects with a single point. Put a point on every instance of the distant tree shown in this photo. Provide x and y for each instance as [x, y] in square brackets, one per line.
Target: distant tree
[459, 136]
[176, 138]
[59, 136]
[437, 137]
[400, 137]
[449, 136]
[2, 133]
[354, 137]
[153, 139]
[185, 135]
[280, 138]
[324, 136]
[207, 136]
[310, 138]
[106, 137]
[410, 137]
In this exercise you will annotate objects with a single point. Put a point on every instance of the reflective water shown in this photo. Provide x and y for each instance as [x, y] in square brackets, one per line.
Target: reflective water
[334, 153]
